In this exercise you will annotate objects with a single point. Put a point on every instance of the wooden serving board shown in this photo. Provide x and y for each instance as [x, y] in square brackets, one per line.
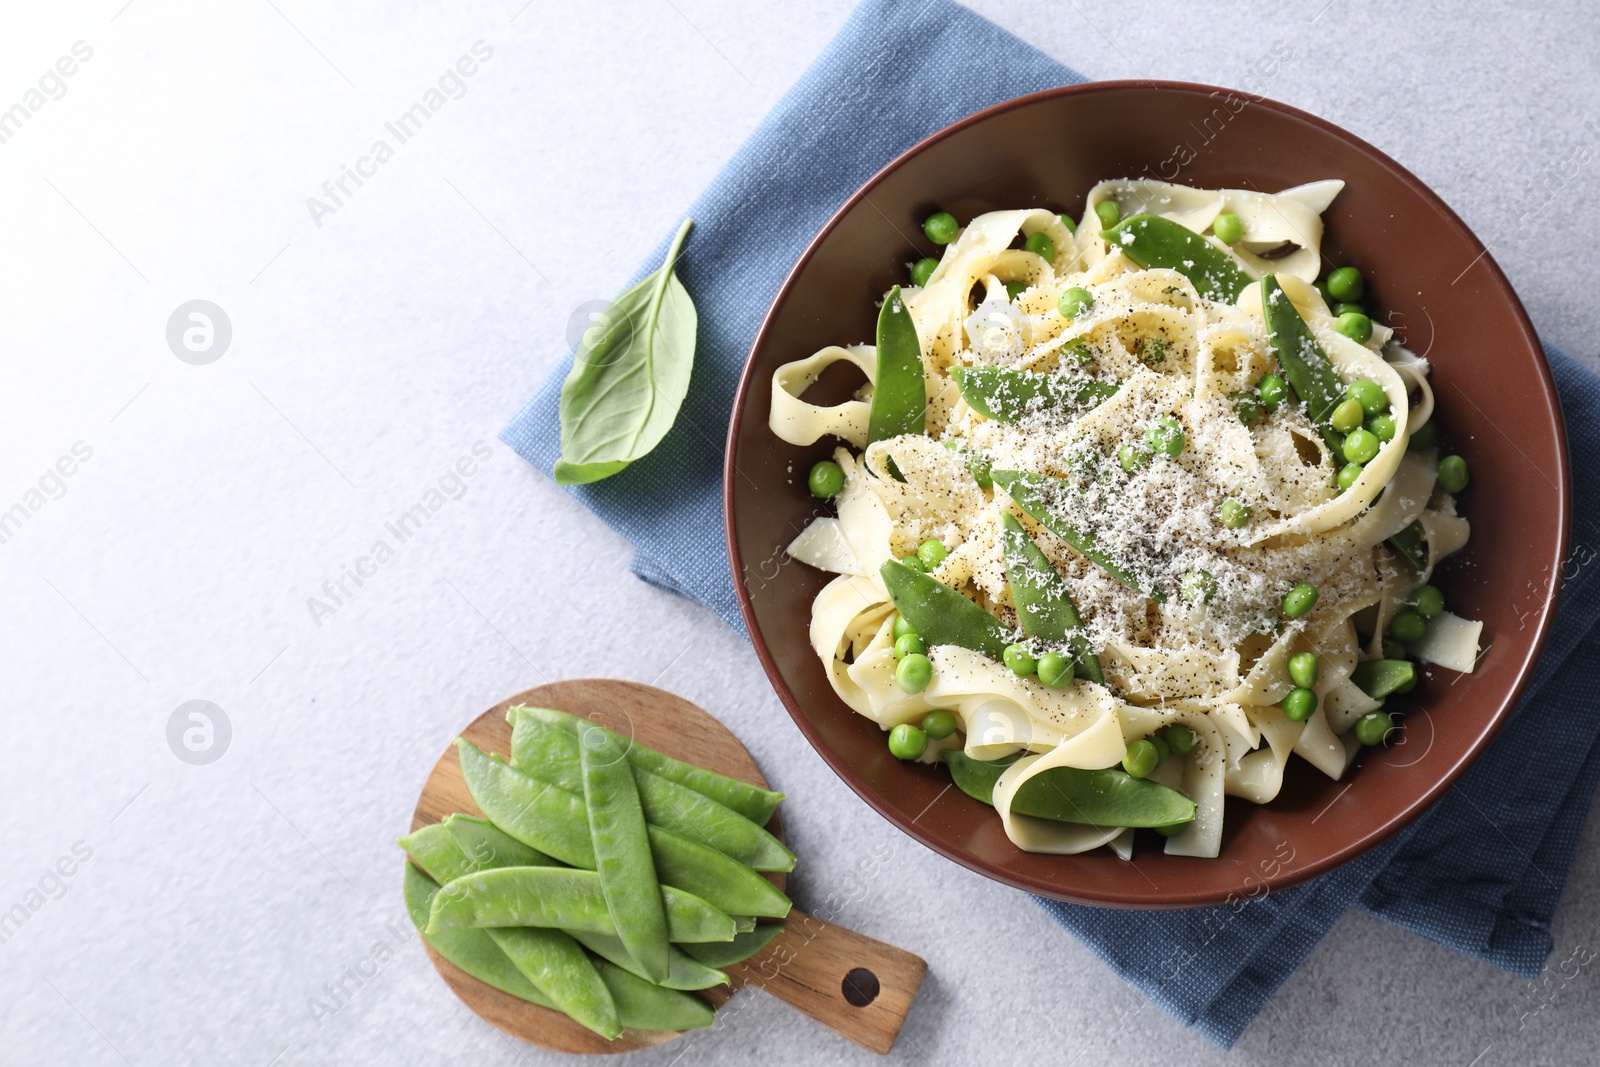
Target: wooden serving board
[854, 985]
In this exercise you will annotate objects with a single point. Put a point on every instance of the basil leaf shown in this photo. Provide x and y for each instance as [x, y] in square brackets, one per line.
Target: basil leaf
[629, 377]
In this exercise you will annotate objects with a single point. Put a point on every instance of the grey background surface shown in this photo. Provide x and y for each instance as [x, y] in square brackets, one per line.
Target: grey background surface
[371, 351]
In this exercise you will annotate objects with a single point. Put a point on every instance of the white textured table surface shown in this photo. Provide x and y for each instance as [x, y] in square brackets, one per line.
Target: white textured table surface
[213, 912]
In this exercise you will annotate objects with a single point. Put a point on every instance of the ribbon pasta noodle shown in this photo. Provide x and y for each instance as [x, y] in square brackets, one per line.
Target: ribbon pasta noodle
[1180, 600]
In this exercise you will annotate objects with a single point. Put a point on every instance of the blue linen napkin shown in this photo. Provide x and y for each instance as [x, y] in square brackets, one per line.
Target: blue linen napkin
[1481, 873]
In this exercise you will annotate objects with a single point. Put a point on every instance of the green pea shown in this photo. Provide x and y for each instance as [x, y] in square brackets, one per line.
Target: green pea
[1075, 301]
[1233, 514]
[1370, 395]
[1393, 649]
[1347, 416]
[826, 479]
[1163, 750]
[1361, 446]
[922, 270]
[1110, 213]
[1301, 599]
[1373, 727]
[939, 724]
[1427, 601]
[1381, 427]
[1299, 704]
[941, 227]
[1453, 476]
[909, 645]
[1347, 285]
[1424, 436]
[1348, 475]
[1069, 222]
[902, 626]
[1198, 587]
[1179, 738]
[1040, 245]
[907, 742]
[1020, 660]
[913, 673]
[1055, 670]
[1408, 685]
[1131, 457]
[1228, 227]
[913, 561]
[1355, 326]
[1408, 627]
[1348, 309]
[1015, 289]
[1271, 391]
[1140, 759]
[1165, 436]
[1327, 296]
[1248, 408]
[1303, 669]
[931, 553]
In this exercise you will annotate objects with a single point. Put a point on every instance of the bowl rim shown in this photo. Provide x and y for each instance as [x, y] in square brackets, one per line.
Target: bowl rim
[1176, 898]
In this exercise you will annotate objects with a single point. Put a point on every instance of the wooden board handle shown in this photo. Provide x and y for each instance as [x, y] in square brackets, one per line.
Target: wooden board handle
[854, 985]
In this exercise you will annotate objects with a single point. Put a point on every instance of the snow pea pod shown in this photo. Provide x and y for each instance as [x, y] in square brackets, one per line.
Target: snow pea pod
[976, 777]
[464, 844]
[540, 815]
[1032, 494]
[683, 970]
[470, 949]
[563, 898]
[942, 616]
[1154, 242]
[713, 877]
[564, 973]
[681, 810]
[486, 845]
[437, 852]
[639, 1005]
[1379, 677]
[550, 959]
[1100, 798]
[899, 395]
[1045, 608]
[650, 1007]
[548, 739]
[678, 808]
[1304, 362]
[741, 948]
[1008, 395]
[1408, 544]
[622, 852]
[522, 806]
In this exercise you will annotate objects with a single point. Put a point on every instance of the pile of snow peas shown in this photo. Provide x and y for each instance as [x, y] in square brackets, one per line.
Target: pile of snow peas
[607, 881]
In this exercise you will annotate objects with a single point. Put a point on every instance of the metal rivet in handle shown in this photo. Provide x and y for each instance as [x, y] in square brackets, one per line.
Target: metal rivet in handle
[860, 987]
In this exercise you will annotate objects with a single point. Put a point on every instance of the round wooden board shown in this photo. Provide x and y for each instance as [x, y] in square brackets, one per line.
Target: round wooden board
[650, 716]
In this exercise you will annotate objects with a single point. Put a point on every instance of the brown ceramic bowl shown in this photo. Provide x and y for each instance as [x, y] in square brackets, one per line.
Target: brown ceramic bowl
[1428, 274]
